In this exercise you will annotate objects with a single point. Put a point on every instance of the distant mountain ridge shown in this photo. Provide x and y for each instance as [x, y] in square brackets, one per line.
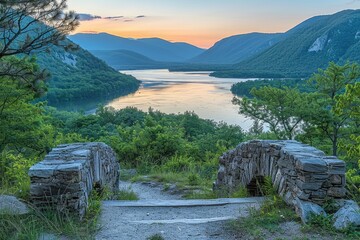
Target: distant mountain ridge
[237, 48]
[154, 48]
[305, 48]
[125, 60]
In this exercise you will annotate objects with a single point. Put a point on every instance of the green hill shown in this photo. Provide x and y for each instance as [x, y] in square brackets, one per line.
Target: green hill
[305, 49]
[78, 77]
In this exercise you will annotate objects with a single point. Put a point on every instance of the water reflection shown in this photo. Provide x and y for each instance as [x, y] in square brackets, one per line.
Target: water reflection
[177, 92]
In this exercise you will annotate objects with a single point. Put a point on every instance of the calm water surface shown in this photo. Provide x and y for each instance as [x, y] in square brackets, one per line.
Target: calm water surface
[177, 92]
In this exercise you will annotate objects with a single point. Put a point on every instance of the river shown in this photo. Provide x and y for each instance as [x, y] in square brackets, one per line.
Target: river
[177, 92]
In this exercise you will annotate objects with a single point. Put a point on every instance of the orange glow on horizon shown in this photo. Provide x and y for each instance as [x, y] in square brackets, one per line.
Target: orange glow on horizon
[198, 37]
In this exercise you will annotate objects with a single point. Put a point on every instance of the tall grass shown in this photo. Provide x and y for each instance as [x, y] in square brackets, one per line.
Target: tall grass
[30, 226]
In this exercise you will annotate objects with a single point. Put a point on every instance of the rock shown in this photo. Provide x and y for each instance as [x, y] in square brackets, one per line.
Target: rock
[348, 215]
[305, 209]
[68, 174]
[336, 192]
[11, 205]
[296, 169]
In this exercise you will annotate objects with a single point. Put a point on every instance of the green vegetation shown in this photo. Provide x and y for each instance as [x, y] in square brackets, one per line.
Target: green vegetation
[181, 149]
[32, 225]
[243, 89]
[126, 194]
[79, 77]
[326, 118]
[177, 149]
[157, 236]
[297, 55]
[272, 212]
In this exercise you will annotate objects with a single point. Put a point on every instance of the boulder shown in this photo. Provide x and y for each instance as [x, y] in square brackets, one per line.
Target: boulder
[306, 209]
[11, 205]
[347, 215]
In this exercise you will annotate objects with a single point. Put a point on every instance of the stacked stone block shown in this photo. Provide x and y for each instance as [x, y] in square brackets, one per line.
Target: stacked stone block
[69, 173]
[298, 171]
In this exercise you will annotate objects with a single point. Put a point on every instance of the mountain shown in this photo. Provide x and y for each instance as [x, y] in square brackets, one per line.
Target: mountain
[79, 77]
[124, 59]
[154, 48]
[237, 48]
[305, 48]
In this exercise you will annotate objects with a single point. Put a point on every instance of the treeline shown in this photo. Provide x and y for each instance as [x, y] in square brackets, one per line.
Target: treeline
[243, 89]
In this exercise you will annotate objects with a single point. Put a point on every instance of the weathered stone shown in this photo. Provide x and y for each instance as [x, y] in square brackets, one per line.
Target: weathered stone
[11, 205]
[337, 192]
[308, 185]
[348, 215]
[296, 170]
[68, 174]
[306, 209]
[313, 165]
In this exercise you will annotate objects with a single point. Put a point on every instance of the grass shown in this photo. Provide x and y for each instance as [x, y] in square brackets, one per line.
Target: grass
[157, 236]
[188, 183]
[324, 225]
[272, 213]
[126, 194]
[31, 226]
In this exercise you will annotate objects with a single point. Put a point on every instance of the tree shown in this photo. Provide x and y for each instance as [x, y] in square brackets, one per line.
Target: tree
[330, 85]
[22, 125]
[31, 25]
[283, 110]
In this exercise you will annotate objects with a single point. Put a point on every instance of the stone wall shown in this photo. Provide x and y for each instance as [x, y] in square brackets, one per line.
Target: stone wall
[298, 171]
[68, 174]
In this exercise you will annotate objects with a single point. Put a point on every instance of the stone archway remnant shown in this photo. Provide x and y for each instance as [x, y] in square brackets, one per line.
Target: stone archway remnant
[298, 171]
[68, 174]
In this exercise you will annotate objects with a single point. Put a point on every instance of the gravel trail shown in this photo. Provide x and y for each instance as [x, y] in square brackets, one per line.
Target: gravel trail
[158, 212]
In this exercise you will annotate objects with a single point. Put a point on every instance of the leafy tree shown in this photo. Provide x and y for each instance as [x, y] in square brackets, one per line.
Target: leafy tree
[283, 110]
[31, 25]
[349, 102]
[22, 125]
[330, 85]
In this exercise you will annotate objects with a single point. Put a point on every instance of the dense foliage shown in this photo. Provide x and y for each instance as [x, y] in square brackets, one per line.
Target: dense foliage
[243, 89]
[154, 140]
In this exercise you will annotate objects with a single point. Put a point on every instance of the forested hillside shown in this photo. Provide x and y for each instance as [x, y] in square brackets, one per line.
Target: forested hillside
[76, 76]
[305, 49]
[237, 48]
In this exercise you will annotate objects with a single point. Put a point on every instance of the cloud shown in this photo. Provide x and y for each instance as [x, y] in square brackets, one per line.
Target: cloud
[87, 17]
[90, 17]
[113, 17]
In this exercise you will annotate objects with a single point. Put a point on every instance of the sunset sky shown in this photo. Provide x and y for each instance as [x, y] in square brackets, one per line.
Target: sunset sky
[199, 22]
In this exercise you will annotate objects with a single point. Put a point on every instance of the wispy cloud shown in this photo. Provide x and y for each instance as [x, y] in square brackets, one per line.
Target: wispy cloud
[90, 17]
[113, 17]
[87, 17]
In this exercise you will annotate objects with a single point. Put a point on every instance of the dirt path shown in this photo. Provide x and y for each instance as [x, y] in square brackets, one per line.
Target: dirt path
[160, 213]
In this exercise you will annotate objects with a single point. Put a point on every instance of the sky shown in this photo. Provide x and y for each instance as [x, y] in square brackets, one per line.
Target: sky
[198, 22]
